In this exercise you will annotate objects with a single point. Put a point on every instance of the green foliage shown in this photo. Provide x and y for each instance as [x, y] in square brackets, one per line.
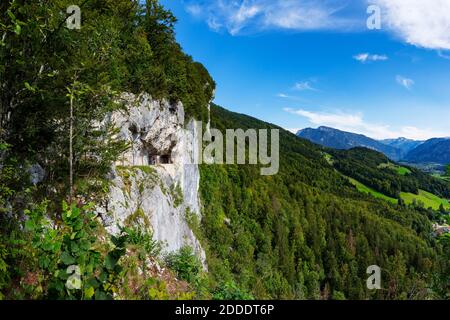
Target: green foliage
[185, 263]
[157, 290]
[375, 171]
[122, 46]
[188, 267]
[143, 240]
[304, 233]
[72, 257]
[177, 195]
[3, 269]
[229, 291]
[426, 200]
[3, 146]
[447, 170]
[307, 233]
[44, 67]
[75, 243]
[376, 194]
[403, 171]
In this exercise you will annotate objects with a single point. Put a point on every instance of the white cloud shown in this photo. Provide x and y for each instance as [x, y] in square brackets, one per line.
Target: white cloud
[405, 82]
[294, 130]
[357, 124]
[366, 57]
[423, 23]
[304, 86]
[194, 9]
[289, 97]
[443, 55]
[213, 24]
[255, 15]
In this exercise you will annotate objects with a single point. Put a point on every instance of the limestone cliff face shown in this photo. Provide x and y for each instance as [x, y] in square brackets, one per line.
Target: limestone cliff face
[156, 183]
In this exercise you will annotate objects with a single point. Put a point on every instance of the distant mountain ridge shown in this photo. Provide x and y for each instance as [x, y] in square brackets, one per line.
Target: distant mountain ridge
[436, 150]
[337, 139]
[404, 144]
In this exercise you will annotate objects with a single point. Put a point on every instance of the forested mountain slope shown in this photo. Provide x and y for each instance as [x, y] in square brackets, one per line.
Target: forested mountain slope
[337, 139]
[307, 232]
[433, 150]
[377, 171]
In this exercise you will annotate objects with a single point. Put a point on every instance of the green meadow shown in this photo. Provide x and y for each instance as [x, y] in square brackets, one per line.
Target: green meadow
[403, 171]
[365, 189]
[428, 199]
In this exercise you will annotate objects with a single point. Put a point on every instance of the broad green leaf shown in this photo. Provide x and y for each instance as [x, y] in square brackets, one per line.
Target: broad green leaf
[29, 87]
[11, 15]
[89, 293]
[99, 295]
[67, 259]
[110, 262]
[17, 29]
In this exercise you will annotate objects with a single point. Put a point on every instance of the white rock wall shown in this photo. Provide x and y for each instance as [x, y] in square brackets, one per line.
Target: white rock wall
[156, 196]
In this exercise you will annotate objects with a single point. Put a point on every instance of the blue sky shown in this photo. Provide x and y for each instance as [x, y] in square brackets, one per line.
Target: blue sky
[304, 63]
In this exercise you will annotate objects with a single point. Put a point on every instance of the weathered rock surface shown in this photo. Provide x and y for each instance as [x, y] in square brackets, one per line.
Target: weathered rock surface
[157, 196]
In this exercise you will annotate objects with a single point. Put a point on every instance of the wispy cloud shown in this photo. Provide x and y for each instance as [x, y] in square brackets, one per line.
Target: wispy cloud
[304, 86]
[194, 9]
[288, 97]
[405, 82]
[367, 57]
[357, 124]
[425, 24]
[443, 55]
[238, 16]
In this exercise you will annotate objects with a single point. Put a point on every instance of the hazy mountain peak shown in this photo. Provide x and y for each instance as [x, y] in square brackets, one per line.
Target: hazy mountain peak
[435, 150]
[338, 139]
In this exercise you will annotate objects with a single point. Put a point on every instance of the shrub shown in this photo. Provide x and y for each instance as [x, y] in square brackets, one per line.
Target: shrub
[144, 240]
[230, 291]
[76, 262]
[184, 262]
[3, 270]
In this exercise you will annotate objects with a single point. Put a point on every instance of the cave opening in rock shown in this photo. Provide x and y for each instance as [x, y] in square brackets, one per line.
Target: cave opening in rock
[134, 131]
[155, 159]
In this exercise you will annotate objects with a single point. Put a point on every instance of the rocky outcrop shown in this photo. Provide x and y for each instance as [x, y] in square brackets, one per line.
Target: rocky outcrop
[158, 196]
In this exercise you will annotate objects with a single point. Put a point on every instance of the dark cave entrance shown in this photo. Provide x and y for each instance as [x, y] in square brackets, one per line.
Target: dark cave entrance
[155, 159]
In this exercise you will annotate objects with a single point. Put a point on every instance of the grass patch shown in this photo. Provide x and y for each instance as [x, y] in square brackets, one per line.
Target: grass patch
[441, 177]
[365, 189]
[428, 199]
[177, 195]
[329, 158]
[402, 171]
